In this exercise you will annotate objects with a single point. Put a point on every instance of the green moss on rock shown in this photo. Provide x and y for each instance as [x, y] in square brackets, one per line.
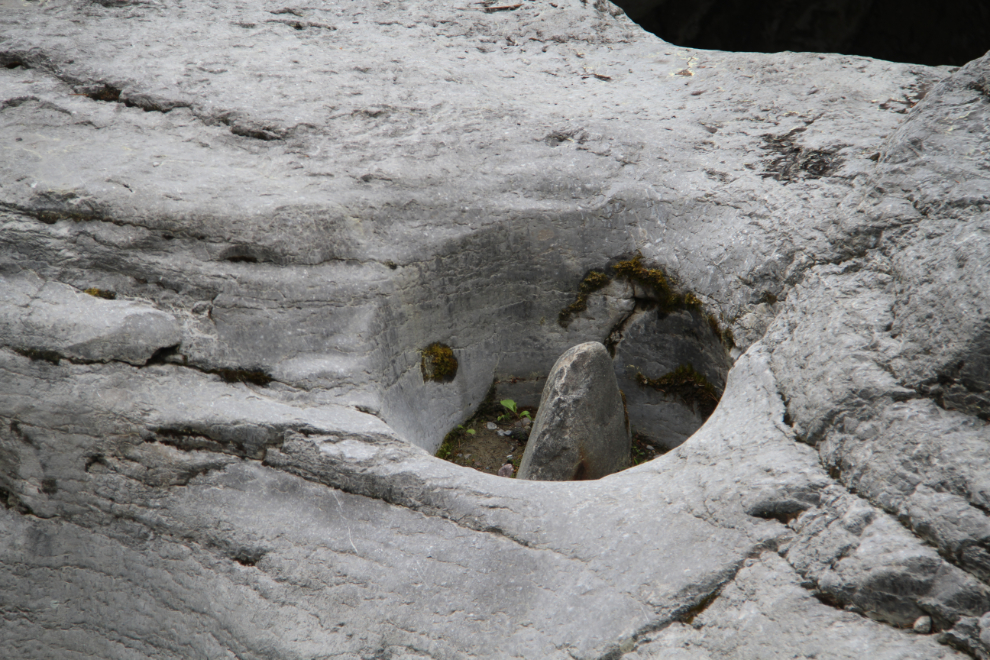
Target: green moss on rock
[692, 301]
[659, 287]
[634, 271]
[687, 384]
[450, 444]
[101, 293]
[438, 363]
[595, 280]
[724, 334]
[653, 280]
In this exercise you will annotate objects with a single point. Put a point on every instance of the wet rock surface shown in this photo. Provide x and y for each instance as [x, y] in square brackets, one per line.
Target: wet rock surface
[581, 430]
[290, 204]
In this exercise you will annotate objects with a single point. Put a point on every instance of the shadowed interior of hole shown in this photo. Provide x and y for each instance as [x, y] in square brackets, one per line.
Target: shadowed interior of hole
[918, 32]
[669, 358]
[501, 317]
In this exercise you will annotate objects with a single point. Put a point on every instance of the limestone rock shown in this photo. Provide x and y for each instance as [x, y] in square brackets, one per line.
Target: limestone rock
[580, 431]
[293, 217]
[746, 621]
[654, 345]
[54, 321]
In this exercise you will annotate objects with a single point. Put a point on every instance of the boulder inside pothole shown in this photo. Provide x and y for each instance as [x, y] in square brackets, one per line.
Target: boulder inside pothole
[670, 357]
[582, 429]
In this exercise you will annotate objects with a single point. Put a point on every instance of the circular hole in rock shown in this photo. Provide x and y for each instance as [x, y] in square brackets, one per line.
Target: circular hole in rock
[669, 355]
[919, 32]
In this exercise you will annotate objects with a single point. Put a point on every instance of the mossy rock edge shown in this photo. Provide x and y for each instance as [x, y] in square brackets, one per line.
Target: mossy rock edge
[438, 363]
[661, 287]
[687, 384]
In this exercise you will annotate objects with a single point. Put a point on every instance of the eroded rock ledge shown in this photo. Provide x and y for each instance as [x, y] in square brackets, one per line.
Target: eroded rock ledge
[288, 204]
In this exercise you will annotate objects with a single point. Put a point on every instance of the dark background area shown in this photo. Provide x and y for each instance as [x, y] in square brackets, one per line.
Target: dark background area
[935, 32]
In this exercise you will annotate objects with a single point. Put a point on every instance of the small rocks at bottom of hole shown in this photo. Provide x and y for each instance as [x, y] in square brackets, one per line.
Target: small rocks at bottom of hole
[504, 434]
[491, 426]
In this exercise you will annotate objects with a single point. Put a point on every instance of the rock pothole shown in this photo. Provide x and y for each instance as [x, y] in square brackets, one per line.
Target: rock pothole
[670, 356]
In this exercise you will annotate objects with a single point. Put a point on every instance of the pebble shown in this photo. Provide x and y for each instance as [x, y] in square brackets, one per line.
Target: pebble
[491, 426]
[923, 625]
[504, 433]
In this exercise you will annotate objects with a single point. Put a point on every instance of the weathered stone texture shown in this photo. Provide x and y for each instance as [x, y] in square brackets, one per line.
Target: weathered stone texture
[289, 203]
[581, 430]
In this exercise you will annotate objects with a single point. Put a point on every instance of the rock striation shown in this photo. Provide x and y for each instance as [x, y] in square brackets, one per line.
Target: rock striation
[581, 430]
[290, 204]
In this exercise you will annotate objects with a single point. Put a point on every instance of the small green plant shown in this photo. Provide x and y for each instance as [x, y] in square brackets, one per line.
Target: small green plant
[510, 405]
[448, 446]
[452, 442]
[639, 455]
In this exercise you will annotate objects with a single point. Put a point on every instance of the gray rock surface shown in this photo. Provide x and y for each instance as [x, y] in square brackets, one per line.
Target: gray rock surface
[53, 320]
[654, 345]
[581, 430]
[291, 202]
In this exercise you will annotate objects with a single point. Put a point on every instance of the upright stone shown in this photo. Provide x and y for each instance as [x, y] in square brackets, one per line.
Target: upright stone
[581, 431]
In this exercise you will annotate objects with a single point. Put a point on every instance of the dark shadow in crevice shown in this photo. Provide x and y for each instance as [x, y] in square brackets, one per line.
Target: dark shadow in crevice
[51, 357]
[107, 93]
[782, 514]
[918, 32]
[691, 613]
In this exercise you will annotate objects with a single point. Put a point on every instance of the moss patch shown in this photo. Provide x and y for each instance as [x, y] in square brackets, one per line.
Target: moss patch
[101, 293]
[691, 301]
[687, 384]
[451, 442]
[660, 287]
[595, 280]
[36, 354]
[652, 279]
[438, 363]
[253, 376]
[724, 334]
